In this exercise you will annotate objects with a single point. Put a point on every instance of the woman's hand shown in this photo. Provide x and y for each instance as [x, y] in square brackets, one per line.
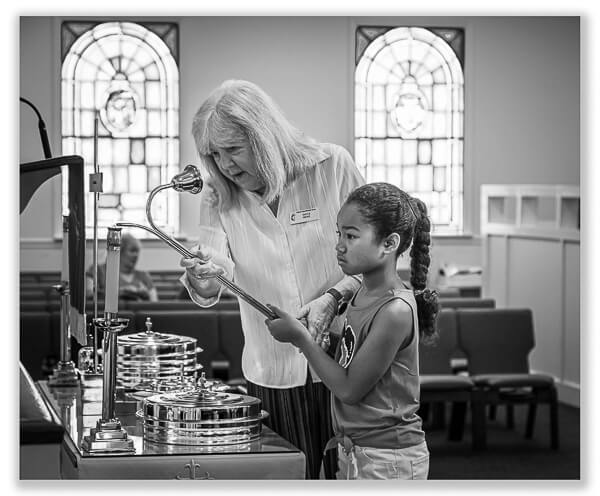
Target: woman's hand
[286, 328]
[318, 314]
[201, 267]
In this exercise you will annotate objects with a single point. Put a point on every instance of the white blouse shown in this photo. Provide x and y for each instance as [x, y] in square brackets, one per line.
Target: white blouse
[287, 260]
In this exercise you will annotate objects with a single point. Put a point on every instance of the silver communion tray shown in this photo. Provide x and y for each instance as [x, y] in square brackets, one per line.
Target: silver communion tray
[154, 362]
[202, 416]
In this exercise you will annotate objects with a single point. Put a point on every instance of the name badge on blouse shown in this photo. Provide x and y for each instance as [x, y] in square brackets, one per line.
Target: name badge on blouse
[301, 216]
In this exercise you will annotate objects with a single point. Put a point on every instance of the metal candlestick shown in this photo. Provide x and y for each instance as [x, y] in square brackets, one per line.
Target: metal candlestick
[65, 374]
[108, 437]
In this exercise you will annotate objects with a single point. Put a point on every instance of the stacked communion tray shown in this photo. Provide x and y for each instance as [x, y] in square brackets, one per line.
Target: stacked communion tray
[150, 362]
[205, 416]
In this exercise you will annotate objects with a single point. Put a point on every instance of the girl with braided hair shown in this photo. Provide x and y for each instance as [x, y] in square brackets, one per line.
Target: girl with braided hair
[374, 377]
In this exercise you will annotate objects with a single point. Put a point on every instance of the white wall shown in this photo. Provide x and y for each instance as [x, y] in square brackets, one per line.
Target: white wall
[522, 96]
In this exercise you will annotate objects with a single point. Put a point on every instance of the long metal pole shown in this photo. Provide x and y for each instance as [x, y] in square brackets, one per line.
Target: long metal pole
[95, 246]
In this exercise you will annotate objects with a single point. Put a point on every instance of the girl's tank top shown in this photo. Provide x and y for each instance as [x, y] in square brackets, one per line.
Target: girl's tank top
[387, 416]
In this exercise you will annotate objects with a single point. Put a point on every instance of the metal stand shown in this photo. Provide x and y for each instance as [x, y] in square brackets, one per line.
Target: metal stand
[65, 374]
[108, 437]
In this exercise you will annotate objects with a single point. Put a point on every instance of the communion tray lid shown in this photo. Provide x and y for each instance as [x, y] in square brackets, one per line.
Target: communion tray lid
[150, 343]
[200, 404]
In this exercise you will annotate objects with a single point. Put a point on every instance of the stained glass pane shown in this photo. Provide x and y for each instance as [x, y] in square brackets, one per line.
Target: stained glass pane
[440, 152]
[151, 72]
[173, 156]
[425, 178]
[154, 151]
[155, 123]
[67, 123]
[108, 216]
[107, 179]
[409, 179]
[86, 71]
[138, 74]
[393, 151]
[137, 177]
[121, 180]
[105, 149]
[137, 151]
[120, 152]
[138, 129]
[409, 157]
[394, 175]
[86, 147]
[138, 215]
[378, 73]
[424, 151]
[360, 127]
[378, 173]
[439, 178]
[360, 152]
[153, 177]
[153, 95]
[378, 152]
[108, 201]
[133, 201]
[379, 124]
[87, 122]
[440, 97]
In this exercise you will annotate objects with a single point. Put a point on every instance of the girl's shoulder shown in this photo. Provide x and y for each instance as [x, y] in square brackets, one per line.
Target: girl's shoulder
[396, 309]
[394, 320]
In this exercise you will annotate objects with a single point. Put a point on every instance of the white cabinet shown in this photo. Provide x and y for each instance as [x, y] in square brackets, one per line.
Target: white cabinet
[531, 259]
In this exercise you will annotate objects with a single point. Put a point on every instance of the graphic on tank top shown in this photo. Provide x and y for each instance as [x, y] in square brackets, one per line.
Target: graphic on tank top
[347, 346]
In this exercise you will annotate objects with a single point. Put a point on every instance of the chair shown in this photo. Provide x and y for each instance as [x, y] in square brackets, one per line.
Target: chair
[466, 302]
[35, 294]
[497, 344]
[439, 384]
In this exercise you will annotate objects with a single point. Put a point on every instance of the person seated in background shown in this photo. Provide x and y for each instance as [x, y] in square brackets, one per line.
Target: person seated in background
[133, 284]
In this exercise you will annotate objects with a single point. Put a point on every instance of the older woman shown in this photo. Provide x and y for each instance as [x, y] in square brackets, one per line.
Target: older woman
[268, 222]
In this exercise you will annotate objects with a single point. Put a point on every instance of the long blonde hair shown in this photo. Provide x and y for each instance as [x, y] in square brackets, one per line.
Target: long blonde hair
[238, 110]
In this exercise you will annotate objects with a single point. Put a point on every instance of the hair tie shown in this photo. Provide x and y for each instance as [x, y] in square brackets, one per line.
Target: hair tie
[412, 209]
[427, 293]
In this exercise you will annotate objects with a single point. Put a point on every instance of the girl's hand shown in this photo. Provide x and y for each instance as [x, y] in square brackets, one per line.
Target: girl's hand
[286, 328]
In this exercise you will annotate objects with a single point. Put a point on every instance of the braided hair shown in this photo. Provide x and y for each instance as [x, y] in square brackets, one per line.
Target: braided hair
[390, 210]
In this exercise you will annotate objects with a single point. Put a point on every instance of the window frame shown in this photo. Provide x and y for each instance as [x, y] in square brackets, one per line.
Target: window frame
[470, 191]
[167, 31]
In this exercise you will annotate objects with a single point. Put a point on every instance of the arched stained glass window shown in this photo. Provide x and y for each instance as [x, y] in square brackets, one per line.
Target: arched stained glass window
[122, 79]
[409, 115]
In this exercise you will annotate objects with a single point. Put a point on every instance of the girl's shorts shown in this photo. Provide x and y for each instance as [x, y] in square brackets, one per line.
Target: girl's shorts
[375, 463]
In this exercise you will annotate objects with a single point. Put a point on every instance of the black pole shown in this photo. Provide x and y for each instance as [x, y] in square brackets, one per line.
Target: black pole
[42, 129]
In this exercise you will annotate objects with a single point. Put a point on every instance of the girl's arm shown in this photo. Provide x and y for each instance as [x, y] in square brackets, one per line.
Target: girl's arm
[391, 328]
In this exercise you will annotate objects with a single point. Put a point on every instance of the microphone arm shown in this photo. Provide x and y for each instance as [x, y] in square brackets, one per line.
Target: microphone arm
[190, 181]
[41, 128]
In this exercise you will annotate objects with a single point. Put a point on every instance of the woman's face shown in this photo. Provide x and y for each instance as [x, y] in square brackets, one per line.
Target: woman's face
[236, 162]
